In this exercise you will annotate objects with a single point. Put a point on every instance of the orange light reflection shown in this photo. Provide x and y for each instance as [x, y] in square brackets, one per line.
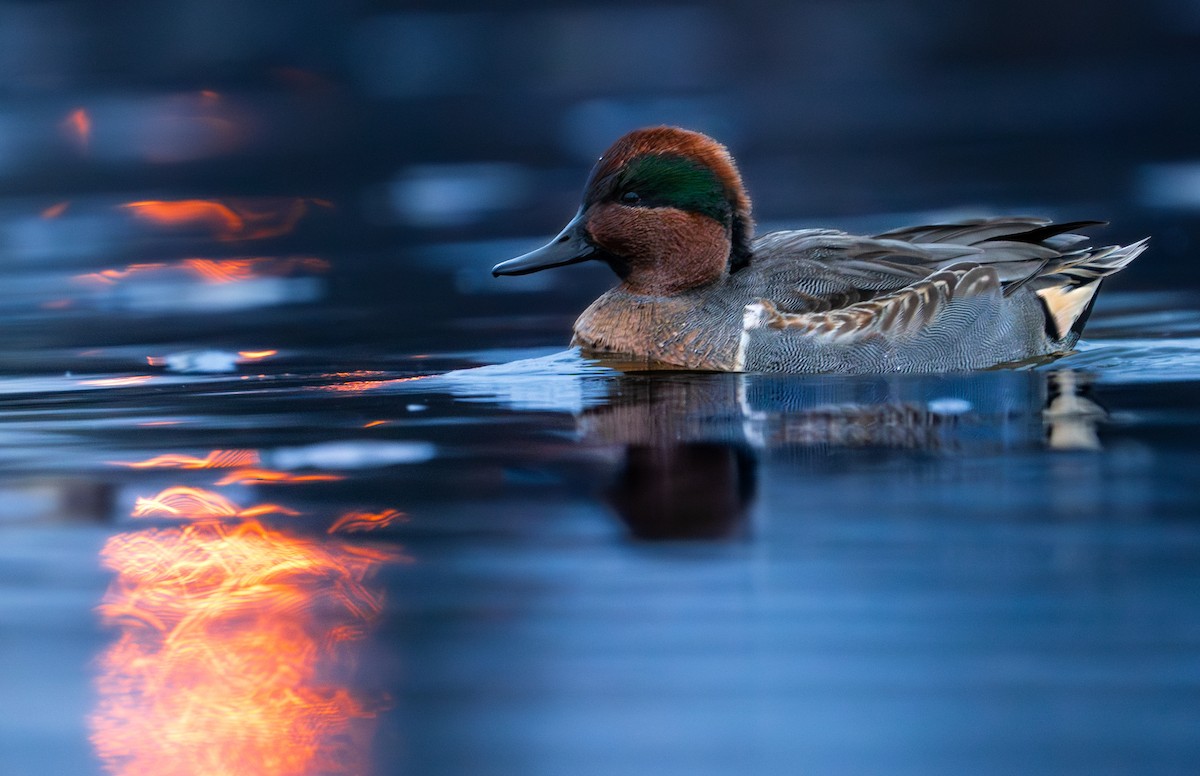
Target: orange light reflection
[110, 276]
[270, 476]
[361, 386]
[226, 219]
[217, 459]
[214, 270]
[230, 643]
[56, 210]
[221, 270]
[196, 503]
[78, 126]
[353, 522]
[267, 509]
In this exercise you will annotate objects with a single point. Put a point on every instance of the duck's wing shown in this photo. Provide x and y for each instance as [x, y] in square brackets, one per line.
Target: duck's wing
[965, 291]
[815, 270]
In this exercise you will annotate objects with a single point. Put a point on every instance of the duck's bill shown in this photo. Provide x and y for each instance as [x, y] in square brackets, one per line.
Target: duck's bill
[571, 246]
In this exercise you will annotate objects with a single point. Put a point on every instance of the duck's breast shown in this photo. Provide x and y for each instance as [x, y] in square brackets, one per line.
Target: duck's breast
[691, 330]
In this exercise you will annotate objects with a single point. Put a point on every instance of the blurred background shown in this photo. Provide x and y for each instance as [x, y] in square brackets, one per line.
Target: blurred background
[406, 147]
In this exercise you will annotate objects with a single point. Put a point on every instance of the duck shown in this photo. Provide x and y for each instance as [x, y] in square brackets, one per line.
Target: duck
[666, 209]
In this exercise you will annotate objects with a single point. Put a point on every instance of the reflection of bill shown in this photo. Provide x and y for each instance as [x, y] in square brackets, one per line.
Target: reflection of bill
[235, 644]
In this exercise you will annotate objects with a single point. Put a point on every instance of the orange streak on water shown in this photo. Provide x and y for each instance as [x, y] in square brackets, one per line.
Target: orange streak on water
[213, 270]
[274, 222]
[78, 126]
[267, 509]
[191, 503]
[361, 386]
[374, 423]
[57, 209]
[254, 355]
[272, 476]
[112, 276]
[230, 639]
[217, 459]
[197, 503]
[188, 212]
[226, 219]
[352, 522]
[355, 387]
[221, 270]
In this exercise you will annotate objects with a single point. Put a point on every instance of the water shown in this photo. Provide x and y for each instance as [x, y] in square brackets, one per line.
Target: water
[546, 565]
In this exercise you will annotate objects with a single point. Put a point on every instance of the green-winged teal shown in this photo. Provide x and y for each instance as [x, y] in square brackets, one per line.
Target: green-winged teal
[666, 209]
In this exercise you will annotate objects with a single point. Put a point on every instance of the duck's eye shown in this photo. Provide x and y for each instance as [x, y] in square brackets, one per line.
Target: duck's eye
[631, 198]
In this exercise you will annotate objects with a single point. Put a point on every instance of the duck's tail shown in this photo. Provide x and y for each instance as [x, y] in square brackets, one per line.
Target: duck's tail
[1033, 252]
[1069, 291]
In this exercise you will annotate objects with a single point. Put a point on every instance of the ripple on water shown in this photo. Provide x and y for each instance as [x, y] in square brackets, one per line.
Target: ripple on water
[1142, 360]
[559, 382]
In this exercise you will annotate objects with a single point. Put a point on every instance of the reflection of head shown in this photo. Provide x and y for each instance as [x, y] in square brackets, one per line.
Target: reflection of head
[686, 491]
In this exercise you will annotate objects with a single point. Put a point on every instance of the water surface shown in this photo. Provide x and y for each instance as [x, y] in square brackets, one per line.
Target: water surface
[518, 561]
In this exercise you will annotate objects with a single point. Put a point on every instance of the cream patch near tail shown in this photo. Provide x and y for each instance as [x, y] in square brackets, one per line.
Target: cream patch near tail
[1068, 291]
[1067, 303]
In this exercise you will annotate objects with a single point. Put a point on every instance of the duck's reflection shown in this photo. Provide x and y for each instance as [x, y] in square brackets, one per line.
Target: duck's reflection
[235, 647]
[691, 442]
[691, 490]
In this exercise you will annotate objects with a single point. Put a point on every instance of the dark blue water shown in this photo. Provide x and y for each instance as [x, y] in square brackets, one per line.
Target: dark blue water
[577, 570]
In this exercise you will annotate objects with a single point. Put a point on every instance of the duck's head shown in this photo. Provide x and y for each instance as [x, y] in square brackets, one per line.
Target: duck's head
[664, 207]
